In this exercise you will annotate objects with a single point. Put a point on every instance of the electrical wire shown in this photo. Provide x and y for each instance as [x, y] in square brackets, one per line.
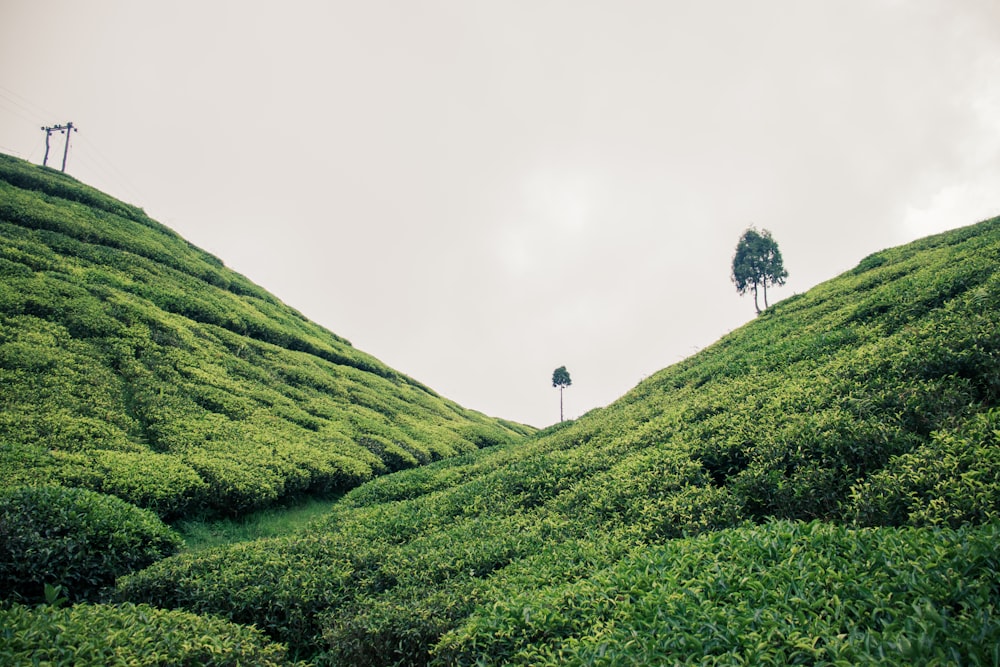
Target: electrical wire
[103, 163]
[24, 103]
[35, 114]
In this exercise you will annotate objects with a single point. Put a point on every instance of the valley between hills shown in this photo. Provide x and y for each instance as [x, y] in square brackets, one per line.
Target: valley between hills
[820, 486]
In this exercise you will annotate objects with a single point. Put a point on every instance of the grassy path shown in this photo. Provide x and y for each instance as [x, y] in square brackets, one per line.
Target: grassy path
[200, 535]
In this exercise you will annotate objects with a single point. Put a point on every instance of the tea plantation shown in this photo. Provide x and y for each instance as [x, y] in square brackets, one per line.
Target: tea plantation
[821, 486]
[138, 368]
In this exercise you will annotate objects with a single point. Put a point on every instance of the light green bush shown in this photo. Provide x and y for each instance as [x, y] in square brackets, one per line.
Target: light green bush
[129, 635]
[953, 479]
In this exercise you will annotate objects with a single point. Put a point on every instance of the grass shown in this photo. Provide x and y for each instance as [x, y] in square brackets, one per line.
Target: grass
[204, 534]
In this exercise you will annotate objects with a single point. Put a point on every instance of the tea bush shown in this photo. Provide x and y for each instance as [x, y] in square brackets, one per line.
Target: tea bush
[134, 364]
[953, 479]
[881, 413]
[75, 538]
[779, 594]
[118, 635]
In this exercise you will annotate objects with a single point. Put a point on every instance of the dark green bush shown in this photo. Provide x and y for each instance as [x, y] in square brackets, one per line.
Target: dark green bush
[118, 635]
[75, 538]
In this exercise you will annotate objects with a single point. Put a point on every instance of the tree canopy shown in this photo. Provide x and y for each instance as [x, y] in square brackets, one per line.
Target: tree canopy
[560, 377]
[757, 263]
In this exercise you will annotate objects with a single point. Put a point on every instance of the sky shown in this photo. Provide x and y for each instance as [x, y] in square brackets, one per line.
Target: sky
[478, 192]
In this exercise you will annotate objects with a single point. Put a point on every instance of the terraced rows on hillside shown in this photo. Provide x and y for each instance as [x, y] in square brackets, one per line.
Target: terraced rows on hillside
[137, 365]
[821, 486]
[869, 405]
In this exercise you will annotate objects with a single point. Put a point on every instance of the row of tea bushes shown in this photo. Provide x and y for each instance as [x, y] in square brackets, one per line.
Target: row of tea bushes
[782, 593]
[127, 635]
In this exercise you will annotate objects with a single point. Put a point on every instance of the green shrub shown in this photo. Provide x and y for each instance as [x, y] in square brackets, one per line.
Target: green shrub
[485, 435]
[397, 629]
[393, 455]
[280, 584]
[154, 481]
[118, 635]
[75, 538]
[779, 594]
[953, 479]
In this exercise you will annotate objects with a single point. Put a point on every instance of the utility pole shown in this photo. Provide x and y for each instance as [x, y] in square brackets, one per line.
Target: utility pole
[65, 129]
[48, 133]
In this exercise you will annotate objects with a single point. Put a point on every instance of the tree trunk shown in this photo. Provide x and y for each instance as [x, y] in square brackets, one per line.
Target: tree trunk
[756, 307]
[560, 405]
[765, 295]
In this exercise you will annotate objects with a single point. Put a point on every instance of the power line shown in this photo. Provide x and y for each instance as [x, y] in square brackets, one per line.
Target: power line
[26, 109]
[23, 102]
[19, 110]
[92, 155]
[12, 151]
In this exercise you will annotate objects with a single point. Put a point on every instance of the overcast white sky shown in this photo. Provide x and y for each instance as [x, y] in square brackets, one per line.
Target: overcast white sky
[479, 192]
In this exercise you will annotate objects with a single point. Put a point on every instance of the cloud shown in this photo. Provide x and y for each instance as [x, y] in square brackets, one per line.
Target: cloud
[519, 185]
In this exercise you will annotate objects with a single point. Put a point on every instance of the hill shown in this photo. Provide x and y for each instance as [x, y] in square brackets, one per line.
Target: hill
[137, 365]
[821, 486]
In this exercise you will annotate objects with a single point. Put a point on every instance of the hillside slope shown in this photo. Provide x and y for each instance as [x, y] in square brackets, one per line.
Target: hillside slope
[136, 365]
[820, 485]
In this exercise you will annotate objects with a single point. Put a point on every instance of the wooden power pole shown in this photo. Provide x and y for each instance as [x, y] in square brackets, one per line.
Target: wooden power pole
[66, 129]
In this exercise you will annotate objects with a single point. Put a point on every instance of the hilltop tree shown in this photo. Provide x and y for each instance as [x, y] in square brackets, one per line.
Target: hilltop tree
[561, 379]
[757, 264]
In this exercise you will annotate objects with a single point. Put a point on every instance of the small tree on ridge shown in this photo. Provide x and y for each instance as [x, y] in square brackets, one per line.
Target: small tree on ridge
[561, 379]
[757, 263]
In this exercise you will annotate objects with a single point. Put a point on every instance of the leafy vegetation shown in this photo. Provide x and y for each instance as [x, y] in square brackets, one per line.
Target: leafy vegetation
[119, 635]
[78, 539]
[779, 594]
[832, 411]
[757, 263]
[818, 487]
[136, 365]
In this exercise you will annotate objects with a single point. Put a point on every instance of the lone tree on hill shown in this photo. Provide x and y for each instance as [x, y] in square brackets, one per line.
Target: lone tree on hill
[560, 378]
[757, 263]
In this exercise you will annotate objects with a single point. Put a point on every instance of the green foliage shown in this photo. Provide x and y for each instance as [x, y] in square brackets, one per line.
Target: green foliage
[560, 377]
[757, 263]
[112, 635]
[133, 364]
[835, 406]
[952, 479]
[779, 594]
[75, 538]
[677, 524]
